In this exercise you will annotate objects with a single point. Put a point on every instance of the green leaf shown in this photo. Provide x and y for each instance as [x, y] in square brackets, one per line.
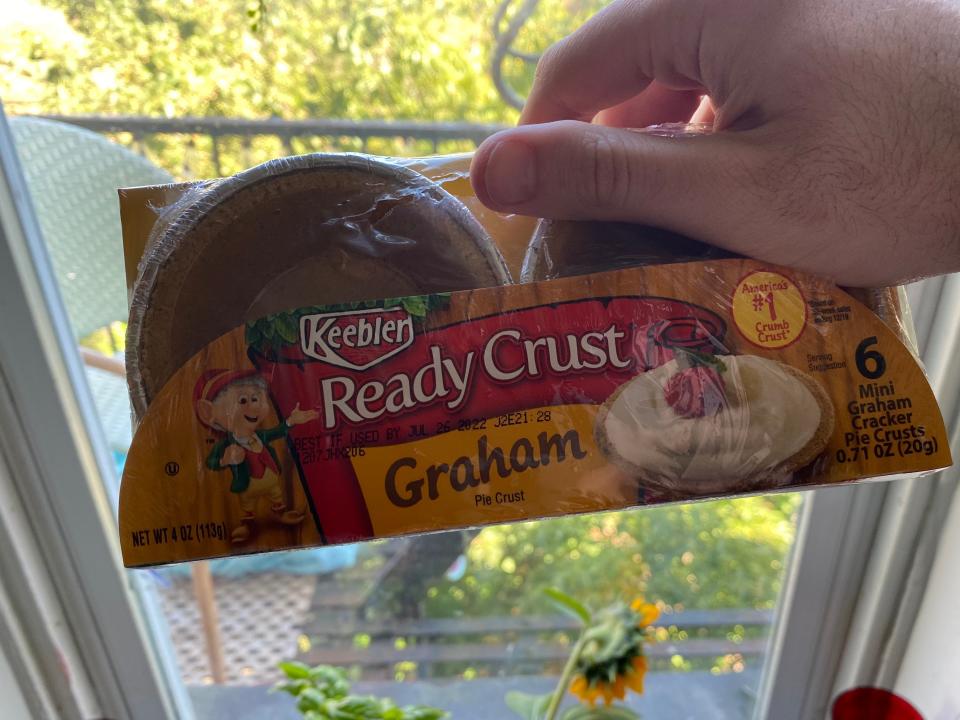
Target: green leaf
[571, 606]
[527, 706]
[361, 706]
[327, 673]
[287, 329]
[415, 305]
[310, 699]
[331, 681]
[294, 670]
[294, 687]
[614, 712]
[438, 301]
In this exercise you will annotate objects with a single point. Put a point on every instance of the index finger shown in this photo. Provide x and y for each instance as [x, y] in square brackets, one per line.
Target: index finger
[614, 56]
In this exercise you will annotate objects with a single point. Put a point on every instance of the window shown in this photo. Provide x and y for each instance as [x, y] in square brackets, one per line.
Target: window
[176, 91]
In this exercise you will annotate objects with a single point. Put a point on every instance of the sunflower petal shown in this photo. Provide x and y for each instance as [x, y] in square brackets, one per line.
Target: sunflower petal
[620, 688]
[648, 614]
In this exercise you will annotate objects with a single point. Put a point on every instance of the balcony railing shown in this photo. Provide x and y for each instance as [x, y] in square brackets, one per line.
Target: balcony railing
[202, 146]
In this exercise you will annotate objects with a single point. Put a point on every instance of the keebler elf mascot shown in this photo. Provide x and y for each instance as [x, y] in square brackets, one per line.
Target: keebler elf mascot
[234, 403]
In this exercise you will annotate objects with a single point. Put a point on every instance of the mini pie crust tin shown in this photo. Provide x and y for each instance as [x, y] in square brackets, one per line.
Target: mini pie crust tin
[310, 229]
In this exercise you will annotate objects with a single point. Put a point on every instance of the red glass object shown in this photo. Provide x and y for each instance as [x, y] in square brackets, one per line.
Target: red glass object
[869, 703]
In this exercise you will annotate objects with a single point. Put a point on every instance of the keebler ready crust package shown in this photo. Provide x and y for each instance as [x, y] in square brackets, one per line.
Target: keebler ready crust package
[331, 348]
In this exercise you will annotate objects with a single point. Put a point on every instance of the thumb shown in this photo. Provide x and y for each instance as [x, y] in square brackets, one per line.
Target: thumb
[697, 185]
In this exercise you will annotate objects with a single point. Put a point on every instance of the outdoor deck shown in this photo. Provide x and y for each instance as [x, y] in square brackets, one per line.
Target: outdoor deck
[333, 620]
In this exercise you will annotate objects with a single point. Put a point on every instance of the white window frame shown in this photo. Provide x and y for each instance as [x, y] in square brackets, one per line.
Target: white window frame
[64, 590]
[65, 600]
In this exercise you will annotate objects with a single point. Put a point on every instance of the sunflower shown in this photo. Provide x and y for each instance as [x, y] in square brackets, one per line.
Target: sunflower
[648, 612]
[633, 680]
[612, 660]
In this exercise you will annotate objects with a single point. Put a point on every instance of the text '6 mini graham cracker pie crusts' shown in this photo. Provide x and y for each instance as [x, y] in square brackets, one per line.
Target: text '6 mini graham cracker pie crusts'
[332, 348]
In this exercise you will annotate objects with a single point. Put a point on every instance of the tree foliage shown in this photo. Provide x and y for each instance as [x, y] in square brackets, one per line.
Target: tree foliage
[385, 59]
[720, 554]
[422, 60]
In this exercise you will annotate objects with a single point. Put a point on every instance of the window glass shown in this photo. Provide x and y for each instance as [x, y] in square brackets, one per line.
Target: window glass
[154, 91]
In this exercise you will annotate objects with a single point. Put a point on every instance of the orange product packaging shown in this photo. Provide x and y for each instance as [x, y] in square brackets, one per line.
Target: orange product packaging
[332, 348]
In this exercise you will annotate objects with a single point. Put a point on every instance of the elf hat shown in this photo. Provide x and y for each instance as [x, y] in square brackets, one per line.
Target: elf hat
[211, 382]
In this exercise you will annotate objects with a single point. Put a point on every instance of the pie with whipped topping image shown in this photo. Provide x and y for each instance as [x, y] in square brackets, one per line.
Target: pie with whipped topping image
[703, 424]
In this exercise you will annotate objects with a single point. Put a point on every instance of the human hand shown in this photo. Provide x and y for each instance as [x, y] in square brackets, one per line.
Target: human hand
[233, 455]
[836, 143]
[298, 416]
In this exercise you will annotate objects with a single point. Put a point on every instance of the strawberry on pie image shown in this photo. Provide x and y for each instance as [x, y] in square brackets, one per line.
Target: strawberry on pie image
[696, 390]
[704, 424]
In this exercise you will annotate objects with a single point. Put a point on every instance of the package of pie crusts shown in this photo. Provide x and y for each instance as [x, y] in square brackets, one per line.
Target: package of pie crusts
[336, 347]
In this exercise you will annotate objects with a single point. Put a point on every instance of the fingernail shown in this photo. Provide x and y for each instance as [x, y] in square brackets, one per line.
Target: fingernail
[510, 177]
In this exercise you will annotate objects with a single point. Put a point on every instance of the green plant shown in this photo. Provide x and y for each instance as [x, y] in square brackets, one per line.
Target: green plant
[323, 693]
[606, 661]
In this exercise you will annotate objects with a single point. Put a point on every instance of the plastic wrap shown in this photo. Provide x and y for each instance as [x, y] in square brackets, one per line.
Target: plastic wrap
[329, 348]
[305, 230]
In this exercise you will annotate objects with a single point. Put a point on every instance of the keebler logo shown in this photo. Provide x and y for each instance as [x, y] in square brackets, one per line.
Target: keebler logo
[356, 339]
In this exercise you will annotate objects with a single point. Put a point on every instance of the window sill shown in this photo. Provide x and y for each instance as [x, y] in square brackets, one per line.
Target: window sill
[668, 695]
